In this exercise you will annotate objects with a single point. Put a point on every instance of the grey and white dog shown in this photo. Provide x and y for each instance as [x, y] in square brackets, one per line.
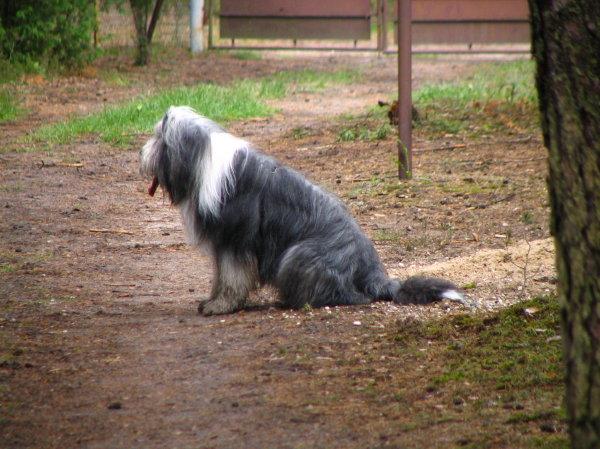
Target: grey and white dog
[265, 223]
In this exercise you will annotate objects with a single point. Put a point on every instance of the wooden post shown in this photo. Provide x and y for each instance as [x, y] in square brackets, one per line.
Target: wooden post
[404, 90]
[379, 9]
[381, 25]
[209, 19]
[384, 18]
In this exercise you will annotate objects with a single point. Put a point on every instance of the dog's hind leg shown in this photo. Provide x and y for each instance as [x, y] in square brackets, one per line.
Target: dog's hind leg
[305, 277]
[235, 276]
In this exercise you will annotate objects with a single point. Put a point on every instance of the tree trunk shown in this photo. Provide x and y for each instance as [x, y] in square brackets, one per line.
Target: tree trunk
[139, 9]
[154, 20]
[566, 47]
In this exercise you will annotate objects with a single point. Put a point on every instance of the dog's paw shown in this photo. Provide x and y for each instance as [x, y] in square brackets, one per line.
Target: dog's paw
[202, 303]
[217, 306]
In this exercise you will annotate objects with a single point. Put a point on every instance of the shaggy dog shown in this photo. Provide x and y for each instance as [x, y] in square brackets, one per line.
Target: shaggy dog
[264, 223]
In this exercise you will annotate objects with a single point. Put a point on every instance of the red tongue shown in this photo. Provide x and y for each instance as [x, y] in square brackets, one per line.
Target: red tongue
[152, 188]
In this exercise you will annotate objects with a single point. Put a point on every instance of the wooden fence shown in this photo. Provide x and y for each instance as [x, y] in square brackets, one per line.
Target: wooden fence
[468, 25]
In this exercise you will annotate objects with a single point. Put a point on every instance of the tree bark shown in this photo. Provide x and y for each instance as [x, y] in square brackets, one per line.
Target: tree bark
[566, 47]
[139, 9]
[154, 20]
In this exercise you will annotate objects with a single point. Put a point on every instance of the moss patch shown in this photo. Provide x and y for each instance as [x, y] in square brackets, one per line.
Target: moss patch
[469, 380]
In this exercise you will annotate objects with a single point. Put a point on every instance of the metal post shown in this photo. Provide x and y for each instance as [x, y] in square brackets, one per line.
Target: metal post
[196, 30]
[210, 23]
[384, 17]
[404, 90]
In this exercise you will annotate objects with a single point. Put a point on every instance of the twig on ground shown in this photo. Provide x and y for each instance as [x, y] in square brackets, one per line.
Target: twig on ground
[524, 269]
[444, 148]
[529, 159]
[320, 147]
[527, 139]
[44, 164]
[369, 179]
[491, 203]
[111, 231]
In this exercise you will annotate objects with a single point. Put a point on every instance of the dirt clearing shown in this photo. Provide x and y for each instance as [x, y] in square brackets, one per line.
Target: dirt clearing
[101, 342]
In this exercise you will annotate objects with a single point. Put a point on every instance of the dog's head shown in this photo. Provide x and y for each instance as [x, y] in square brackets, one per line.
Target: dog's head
[171, 156]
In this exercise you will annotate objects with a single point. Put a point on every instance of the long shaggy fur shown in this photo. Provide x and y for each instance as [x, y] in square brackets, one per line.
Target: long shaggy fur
[264, 223]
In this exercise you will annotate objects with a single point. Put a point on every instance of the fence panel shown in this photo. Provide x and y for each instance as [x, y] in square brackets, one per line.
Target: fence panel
[469, 22]
[115, 26]
[436, 24]
[290, 19]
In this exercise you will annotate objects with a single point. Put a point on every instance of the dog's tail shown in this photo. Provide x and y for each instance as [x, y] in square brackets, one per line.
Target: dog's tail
[416, 290]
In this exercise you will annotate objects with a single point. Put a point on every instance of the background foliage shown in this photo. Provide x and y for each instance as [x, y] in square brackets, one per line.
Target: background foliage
[51, 32]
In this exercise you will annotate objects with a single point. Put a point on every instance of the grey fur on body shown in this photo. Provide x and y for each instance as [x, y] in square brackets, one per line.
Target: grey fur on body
[264, 223]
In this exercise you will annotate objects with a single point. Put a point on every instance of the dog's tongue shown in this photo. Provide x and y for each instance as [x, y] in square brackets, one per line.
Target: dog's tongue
[153, 186]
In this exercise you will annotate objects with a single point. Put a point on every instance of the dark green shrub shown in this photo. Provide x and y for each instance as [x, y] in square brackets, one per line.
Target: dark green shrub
[53, 32]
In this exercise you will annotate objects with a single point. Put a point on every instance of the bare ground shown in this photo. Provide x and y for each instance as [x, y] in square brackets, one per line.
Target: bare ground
[103, 345]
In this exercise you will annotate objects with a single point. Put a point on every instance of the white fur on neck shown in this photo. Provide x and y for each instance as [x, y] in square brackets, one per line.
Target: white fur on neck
[216, 170]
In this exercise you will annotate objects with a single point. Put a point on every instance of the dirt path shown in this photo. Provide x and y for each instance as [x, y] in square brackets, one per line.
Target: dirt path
[104, 346]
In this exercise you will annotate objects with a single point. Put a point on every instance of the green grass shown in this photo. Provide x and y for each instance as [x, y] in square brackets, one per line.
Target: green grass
[509, 350]
[480, 380]
[246, 55]
[12, 262]
[364, 133]
[6, 267]
[497, 97]
[12, 71]
[119, 124]
[10, 75]
[388, 235]
[114, 78]
[507, 82]
[310, 80]
[527, 217]
[9, 108]
[300, 132]
[502, 372]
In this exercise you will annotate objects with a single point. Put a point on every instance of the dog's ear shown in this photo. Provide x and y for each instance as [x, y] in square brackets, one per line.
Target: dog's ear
[174, 174]
[183, 141]
[165, 121]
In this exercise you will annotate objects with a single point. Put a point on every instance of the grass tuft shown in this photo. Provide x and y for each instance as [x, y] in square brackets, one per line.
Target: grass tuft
[505, 351]
[506, 366]
[9, 109]
[497, 97]
[364, 133]
[246, 55]
[118, 125]
[508, 82]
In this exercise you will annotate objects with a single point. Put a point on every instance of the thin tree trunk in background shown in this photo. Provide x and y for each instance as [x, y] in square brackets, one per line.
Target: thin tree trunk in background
[154, 20]
[139, 9]
[96, 21]
[566, 47]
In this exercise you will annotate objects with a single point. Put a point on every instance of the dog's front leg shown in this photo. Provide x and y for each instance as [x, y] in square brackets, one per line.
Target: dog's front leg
[234, 278]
